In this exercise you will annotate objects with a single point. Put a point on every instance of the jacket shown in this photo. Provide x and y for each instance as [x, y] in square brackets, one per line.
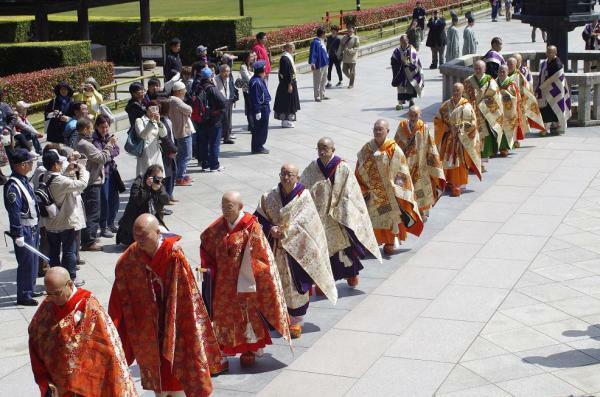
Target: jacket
[135, 110]
[259, 96]
[333, 44]
[318, 54]
[66, 193]
[348, 50]
[419, 16]
[179, 113]
[437, 33]
[262, 55]
[142, 200]
[172, 66]
[167, 146]
[232, 92]
[100, 144]
[151, 132]
[96, 159]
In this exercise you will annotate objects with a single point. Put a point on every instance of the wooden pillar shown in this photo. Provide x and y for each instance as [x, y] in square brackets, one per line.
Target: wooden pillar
[41, 25]
[83, 20]
[145, 20]
[241, 8]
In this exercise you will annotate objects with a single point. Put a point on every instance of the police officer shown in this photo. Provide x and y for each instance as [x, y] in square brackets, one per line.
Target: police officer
[23, 214]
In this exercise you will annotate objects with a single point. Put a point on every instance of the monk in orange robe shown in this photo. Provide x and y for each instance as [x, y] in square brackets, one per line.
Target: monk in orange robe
[458, 140]
[157, 308]
[417, 143]
[384, 178]
[242, 288]
[74, 346]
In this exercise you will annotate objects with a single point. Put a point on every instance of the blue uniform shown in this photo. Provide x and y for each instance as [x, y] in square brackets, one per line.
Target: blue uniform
[23, 217]
[260, 100]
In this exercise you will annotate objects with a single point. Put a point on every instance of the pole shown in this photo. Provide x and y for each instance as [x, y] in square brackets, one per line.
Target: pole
[83, 20]
[145, 20]
[41, 24]
[241, 8]
[357, 5]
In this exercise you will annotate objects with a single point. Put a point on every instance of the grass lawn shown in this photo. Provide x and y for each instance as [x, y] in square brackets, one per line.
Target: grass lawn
[266, 14]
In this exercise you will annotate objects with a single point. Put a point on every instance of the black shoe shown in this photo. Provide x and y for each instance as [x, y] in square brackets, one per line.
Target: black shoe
[228, 141]
[328, 85]
[36, 294]
[113, 228]
[433, 66]
[106, 233]
[167, 211]
[77, 267]
[27, 302]
[262, 151]
[81, 261]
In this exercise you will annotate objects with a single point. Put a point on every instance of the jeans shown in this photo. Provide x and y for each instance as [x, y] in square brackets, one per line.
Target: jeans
[495, 8]
[209, 146]
[169, 183]
[109, 202]
[91, 202]
[338, 68]
[227, 120]
[65, 241]
[260, 131]
[184, 155]
[27, 263]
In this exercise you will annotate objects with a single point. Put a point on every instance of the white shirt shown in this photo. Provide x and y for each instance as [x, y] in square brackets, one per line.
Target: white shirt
[235, 223]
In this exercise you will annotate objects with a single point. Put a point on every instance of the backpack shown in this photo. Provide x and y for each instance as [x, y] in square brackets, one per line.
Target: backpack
[46, 204]
[200, 107]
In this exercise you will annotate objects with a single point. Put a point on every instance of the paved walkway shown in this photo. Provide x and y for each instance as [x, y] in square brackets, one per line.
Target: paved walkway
[496, 298]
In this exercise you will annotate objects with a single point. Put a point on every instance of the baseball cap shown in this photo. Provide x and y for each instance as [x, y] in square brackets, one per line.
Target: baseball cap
[206, 73]
[201, 49]
[23, 105]
[22, 156]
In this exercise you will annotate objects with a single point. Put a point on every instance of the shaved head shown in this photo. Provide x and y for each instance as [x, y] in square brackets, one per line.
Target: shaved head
[502, 73]
[382, 123]
[414, 113]
[146, 233]
[146, 221]
[326, 141]
[58, 284]
[457, 91]
[381, 130]
[479, 68]
[512, 64]
[56, 276]
[551, 52]
[288, 177]
[325, 149]
[231, 205]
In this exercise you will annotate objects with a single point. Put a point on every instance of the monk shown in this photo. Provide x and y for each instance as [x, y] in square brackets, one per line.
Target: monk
[157, 308]
[384, 179]
[242, 288]
[531, 118]
[291, 221]
[510, 95]
[523, 69]
[458, 140]
[417, 143]
[343, 212]
[484, 95]
[73, 344]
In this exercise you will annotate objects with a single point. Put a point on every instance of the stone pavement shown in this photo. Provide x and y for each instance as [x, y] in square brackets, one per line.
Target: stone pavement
[497, 297]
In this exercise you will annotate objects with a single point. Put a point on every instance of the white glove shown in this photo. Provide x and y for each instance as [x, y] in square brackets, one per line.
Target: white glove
[258, 116]
[20, 241]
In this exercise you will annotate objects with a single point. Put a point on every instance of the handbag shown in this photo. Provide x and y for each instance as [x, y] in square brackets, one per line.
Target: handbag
[134, 144]
[118, 181]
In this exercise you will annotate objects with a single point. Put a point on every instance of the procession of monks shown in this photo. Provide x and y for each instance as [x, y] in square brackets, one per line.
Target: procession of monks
[259, 269]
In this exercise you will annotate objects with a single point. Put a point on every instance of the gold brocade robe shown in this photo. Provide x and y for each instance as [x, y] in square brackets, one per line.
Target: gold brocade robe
[423, 162]
[511, 110]
[488, 106]
[531, 118]
[340, 206]
[303, 239]
[458, 140]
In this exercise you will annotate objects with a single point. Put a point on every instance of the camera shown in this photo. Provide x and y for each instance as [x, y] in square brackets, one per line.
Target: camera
[157, 180]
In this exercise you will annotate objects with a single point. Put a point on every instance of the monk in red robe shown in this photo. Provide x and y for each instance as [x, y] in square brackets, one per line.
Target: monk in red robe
[158, 310]
[242, 288]
[74, 346]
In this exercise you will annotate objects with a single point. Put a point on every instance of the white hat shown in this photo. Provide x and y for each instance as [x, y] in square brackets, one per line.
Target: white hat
[178, 86]
[23, 105]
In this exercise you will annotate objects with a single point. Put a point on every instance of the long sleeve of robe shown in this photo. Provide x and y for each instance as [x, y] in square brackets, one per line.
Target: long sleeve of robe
[453, 44]
[469, 42]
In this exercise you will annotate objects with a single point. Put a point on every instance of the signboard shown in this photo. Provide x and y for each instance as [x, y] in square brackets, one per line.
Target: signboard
[152, 51]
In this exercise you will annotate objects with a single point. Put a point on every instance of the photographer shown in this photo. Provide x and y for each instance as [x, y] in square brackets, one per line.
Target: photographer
[61, 230]
[148, 196]
[56, 111]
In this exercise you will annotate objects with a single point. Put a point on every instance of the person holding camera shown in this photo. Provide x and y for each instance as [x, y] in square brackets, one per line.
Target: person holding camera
[96, 160]
[148, 196]
[90, 96]
[56, 111]
[151, 130]
[65, 188]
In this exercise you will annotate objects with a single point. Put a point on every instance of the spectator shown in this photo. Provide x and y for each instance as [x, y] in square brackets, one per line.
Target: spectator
[261, 52]
[90, 96]
[65, 188]
[319, 61]
[56, 111]
[154, 92]
[495, 8]
[95, 162]
[169, 151]
[136, 107]
[469, 40]
[436, 39]
[78, 110]
[414, 34]
[109, 193]
[209, 129]
[25, 127]
[418, 15]
[226, 87]
[260, 107]
[173, 61]
[186, 78]
[507, 9]
[151, 130]
[147, 196]
[348, 51]
[8, 120]
[179, 113]
[202, 60]
[452, 40]
[533, 34]
[333, 44]
[246, 71]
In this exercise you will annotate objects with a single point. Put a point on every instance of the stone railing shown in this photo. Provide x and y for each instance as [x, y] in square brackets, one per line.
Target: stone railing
[585, 85]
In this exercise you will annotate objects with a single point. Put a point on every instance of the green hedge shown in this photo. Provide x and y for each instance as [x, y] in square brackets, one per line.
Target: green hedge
[122, 35]
[38, 86]
[29, 57]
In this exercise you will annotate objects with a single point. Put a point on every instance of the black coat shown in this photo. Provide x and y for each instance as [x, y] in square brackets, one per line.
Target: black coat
[419, 16]
[139, 203]
[172, 65]
[437, 33]
[134, 110]
[56, 127]
[167, 146]
[286, 103]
